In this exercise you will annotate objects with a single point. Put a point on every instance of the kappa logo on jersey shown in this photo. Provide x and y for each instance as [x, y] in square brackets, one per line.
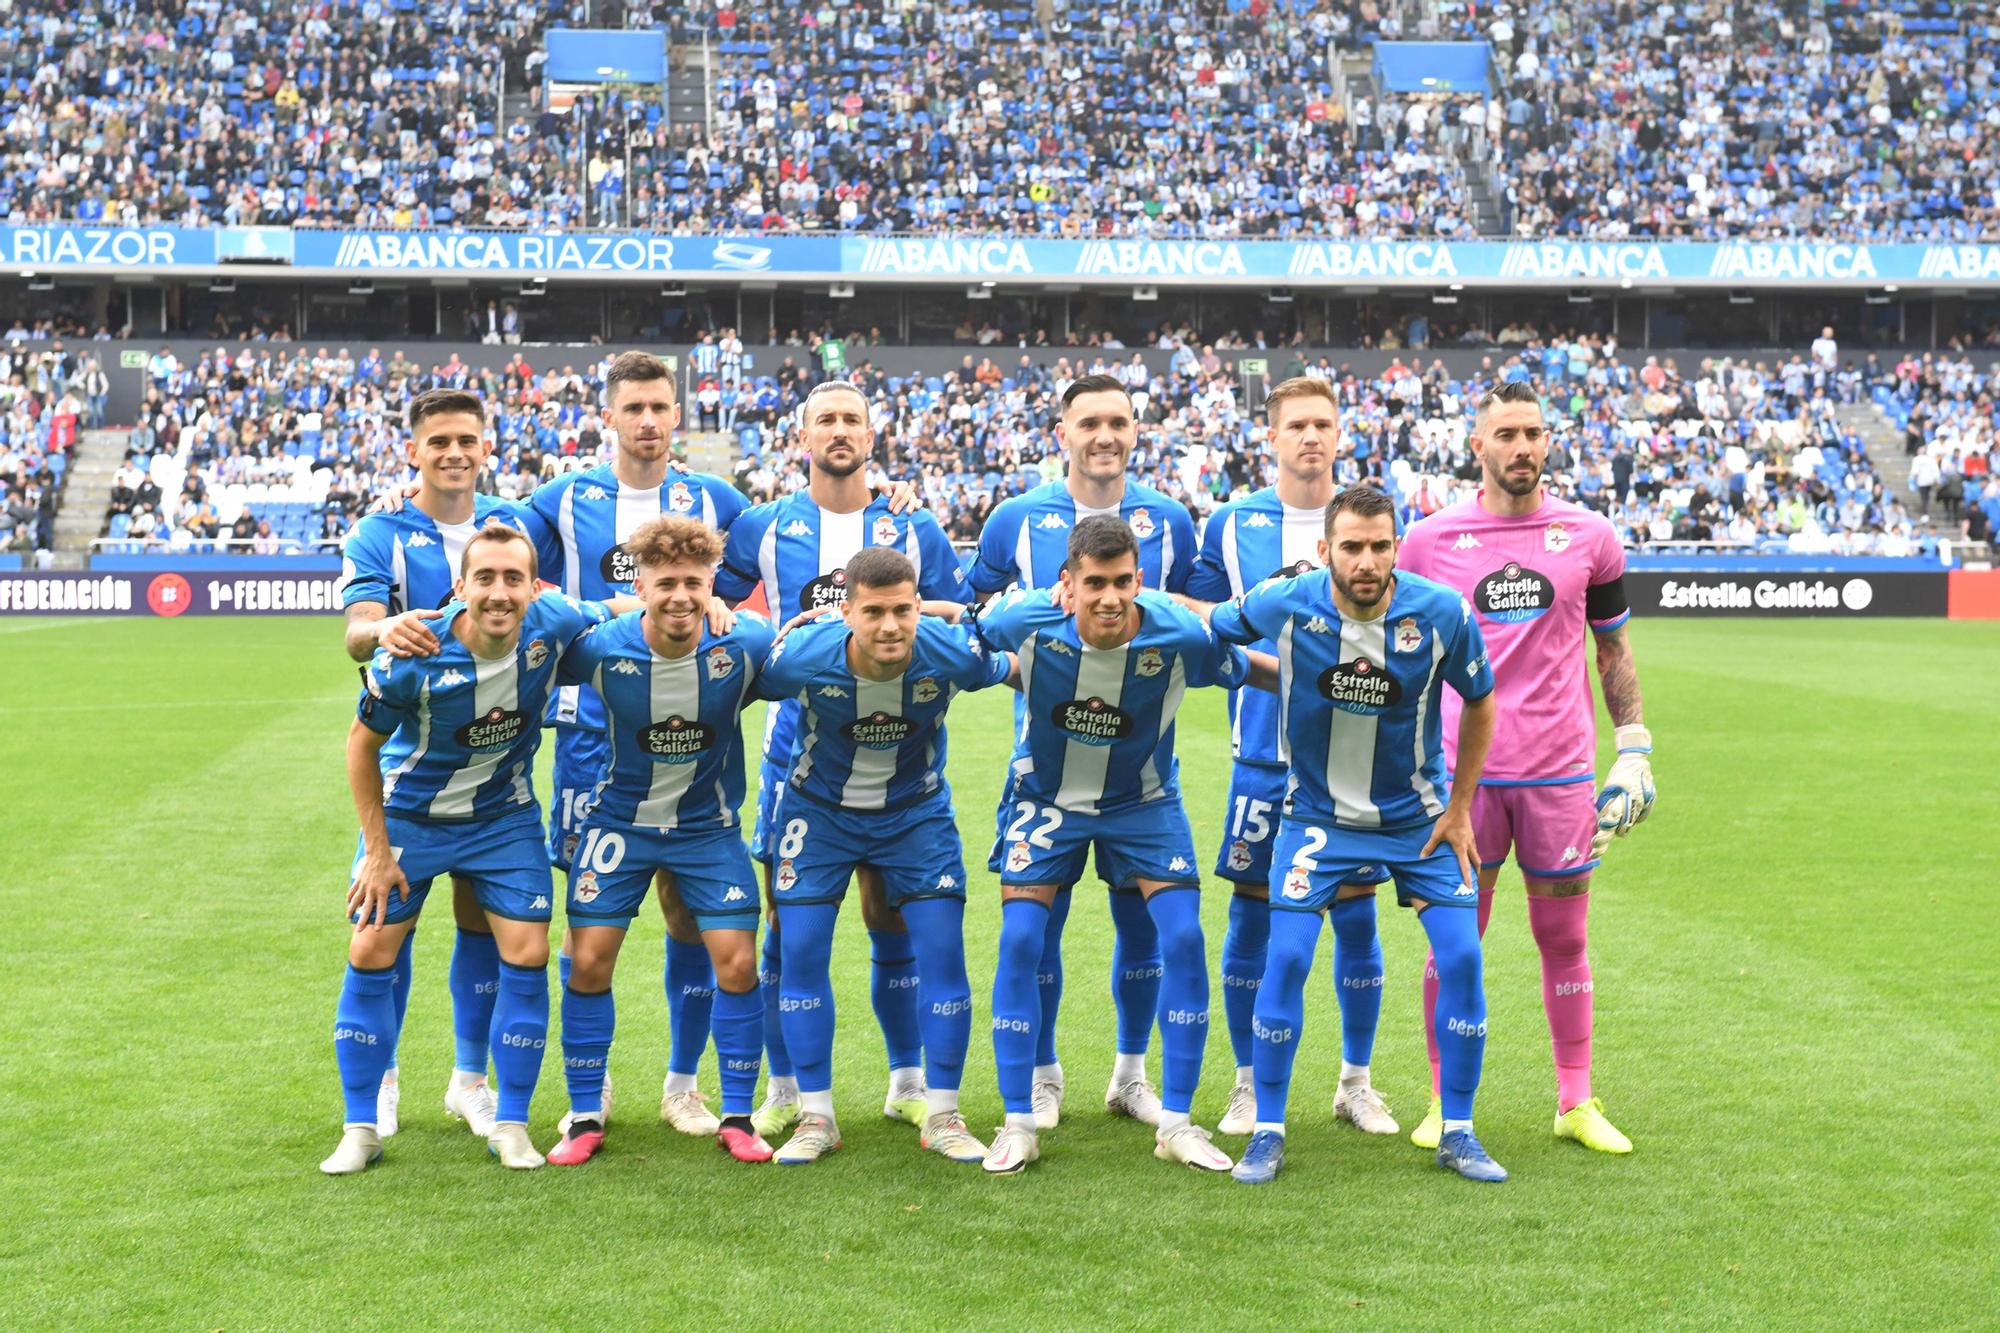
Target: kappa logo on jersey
[1058, 647]
[824, 591]
[885, 531]
[1257, 521]
[1052, 521]
[1359, 686]
[879, 731]
[497, 730]
[451, 676]
[617, 566]
[1298, 883]
[833, 692]
[420, 539]
[1466, 542]
[595, 493]
[1318, 626]
[1409, 635]
[1149, 662]
[719, 662]
[586, 889]
[924, 691]
[679, 498]
[1555, 537]
[1239, 855]
[1514, 593]
[1092, 721]
[1018, 857]
[626, 667]
[735, 894]
[798, 527]
[677, 739]
[538, 653]
[786, 876]
[1142, 524]
[1179, 865]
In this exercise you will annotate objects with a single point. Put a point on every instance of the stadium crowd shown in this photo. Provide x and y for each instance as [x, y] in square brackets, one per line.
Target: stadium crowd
[276, 447]
[47, 396]
[1152, 117]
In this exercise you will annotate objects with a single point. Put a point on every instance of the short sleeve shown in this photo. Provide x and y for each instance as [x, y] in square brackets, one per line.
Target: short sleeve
[538, 520]
[384, 703]
[784, 670]
[729, 502]
[1005, 623]
[1241, 619]
[365, 566]
[1209, 580]
[1180, 523]
[974, 666]
[994, 568]
[570, 617]
[1413, 556]
[1209, 661]
[944, 577]
[754, 635]
[577, 661]
[739, 575]
[1605, 602]
[1466, 669]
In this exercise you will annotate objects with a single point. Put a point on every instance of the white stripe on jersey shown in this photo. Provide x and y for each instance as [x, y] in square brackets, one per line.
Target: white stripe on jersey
[1100, 674]
[455, 536]
[867, 785]
[840, 536]
[566, 530]
[1024, 660]
[1351, 737]
[1149, 776]
[1418, 782]
[1024, 555]
[423, 744]
[498, 686]
[399, 579]
[676, 690]
[1285, 695]
[635, 506]
[1232, 559]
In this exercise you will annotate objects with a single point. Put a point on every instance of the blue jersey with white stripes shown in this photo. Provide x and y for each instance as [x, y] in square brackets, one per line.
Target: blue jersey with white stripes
[1247, 541]
[1359, 728]
[1098, 736]
[408, 560]
[1026, 538]
[874, 744]
[463, 729]
[799, 552]
[579, 521]
[674, 734]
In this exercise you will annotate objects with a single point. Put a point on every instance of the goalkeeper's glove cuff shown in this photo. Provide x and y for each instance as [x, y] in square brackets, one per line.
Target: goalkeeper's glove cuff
[1634, 738]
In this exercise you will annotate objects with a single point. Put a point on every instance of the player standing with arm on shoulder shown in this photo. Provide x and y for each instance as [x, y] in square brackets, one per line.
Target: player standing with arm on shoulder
[397, 571]
[1542, 575]
[1274, 533]
[1364, 654]
[1025, 542]
[440, 762]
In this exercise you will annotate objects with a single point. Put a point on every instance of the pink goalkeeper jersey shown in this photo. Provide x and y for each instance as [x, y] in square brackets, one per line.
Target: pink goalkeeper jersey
[1529, 581]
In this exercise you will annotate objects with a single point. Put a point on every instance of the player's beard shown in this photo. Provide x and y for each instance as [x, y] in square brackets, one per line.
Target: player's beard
[1347, 590]
[1515, 486]
[841, 469]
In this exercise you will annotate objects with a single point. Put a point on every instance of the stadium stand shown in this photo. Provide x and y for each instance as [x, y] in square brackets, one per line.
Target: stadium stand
[47, 396]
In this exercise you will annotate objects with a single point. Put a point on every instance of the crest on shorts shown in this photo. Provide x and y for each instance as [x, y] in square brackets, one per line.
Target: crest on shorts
[538, 653]
[1150, 662]
[1142, 524]
[569, 847]
[1409, 637]
[1298, 883]
[1239, 855]
[924, 691]
[720, 663]
[1018, 857]
[586, 890]
[679, 498]
[1555, 537]
[786, 876]
[885, 531]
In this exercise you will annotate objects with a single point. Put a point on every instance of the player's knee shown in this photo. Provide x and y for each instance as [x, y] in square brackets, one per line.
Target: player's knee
[1457, 965]
[735, 964]
[374, 950]
[1181, 946]
[1022, 940]
[590, 972]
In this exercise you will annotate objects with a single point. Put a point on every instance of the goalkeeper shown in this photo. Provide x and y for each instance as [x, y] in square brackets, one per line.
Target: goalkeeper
[1542, 574]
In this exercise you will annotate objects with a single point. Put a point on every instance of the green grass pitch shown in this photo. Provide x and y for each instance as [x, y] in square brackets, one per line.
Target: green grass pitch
[1796, 1015]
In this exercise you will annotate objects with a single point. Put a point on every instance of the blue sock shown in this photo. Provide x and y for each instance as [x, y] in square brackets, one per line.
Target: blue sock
[1049, 978]
[776, 1058]
[1461, 1006]
[1243, 970]
[364, 1033]
[563, 964]
[399, 992]
[805, 993]
[1357, 976]
[944, 994]
[1281, 1008]
[892, 985]
[588, 1024]
[1135, 972]
[520, 1034]
[690, 983]
[1183, 995]
[475, 985]
[1017, 1015]
[739, 1033]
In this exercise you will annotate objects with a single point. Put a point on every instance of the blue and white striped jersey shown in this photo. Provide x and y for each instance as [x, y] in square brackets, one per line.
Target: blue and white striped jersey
[578, 522]
[675, 737]
[1247, 541]
[463, 729]
[874, 744]
[1026, 538]
[799, 552]
[1098, 735]
[408, 560]
[1359, 724]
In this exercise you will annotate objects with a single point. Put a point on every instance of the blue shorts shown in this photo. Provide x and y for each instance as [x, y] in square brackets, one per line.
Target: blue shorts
[770, 781]
[1311, 862]
[1044, 844]
[817, 848]
[615, 864]
[503, 857]
[581, 758]
[1250, 823]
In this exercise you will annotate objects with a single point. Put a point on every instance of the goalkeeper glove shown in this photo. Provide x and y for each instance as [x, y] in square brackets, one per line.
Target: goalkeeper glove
[1627, 796]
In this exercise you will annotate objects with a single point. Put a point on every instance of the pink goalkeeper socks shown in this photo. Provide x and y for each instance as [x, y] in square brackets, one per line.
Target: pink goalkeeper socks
[1558, 926]
[1431, 987]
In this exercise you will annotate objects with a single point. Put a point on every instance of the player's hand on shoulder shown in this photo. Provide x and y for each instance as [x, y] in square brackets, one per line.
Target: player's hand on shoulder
[392, 501]
[903, 497]
[406, 635]
[721, 619]
[804, 618]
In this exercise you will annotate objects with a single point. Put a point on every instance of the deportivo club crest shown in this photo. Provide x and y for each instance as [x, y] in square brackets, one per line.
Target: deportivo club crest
[1555, 538]
[538, 653]
[924, 690]
[1142, 524]
[1298, 883]
[679, 498]
[586, 887]
[885, 531]
[1408, 637]
[1149, 663]
[1018, 857]
[719, 663]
